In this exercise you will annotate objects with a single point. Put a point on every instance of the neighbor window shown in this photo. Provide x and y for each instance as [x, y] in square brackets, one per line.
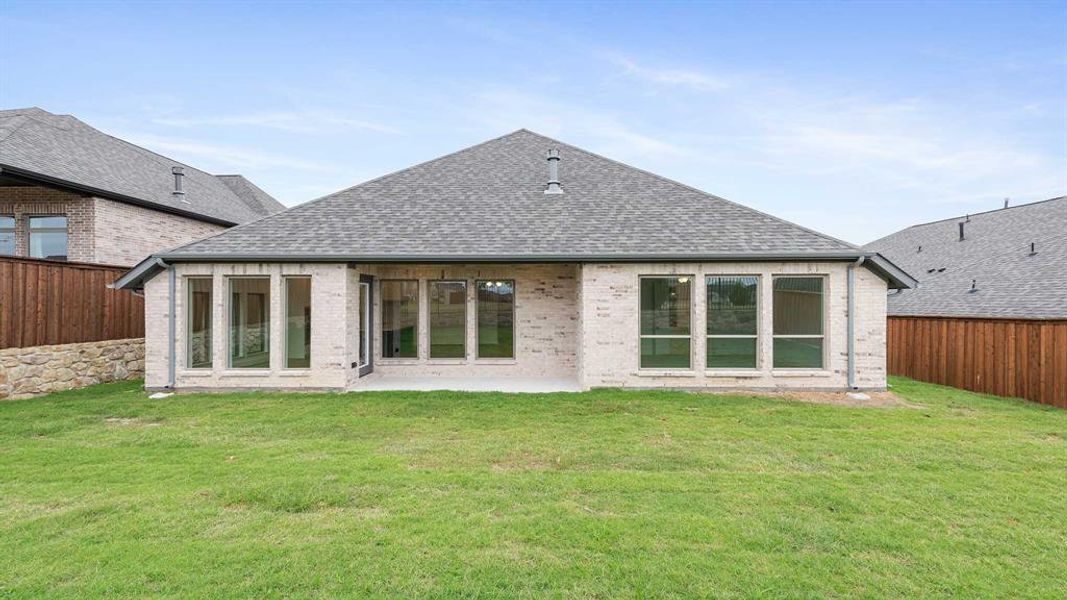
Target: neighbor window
[665, 316]
[250, 323]
[496, 319]
[400, 319]
[48, 237]
[297, 322]
[732, 322]
[198, 315]
[7, 236]
[798, 322]
[448, 319]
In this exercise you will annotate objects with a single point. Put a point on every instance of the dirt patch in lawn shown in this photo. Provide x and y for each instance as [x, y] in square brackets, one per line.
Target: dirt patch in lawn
[873, 399]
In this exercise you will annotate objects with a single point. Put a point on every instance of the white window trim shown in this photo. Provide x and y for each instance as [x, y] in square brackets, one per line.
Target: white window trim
[759, 339]
[230, 369]
[379, 351]
[429, 324]
[285, 323]
[498, 360]
[189, 324]
[800, 371]
[640, 336]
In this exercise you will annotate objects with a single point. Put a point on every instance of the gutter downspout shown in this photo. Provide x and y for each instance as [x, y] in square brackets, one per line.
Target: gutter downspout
[171, 341]
[852, 321]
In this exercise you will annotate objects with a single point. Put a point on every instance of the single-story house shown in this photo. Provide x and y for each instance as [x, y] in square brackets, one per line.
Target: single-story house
[519, 259]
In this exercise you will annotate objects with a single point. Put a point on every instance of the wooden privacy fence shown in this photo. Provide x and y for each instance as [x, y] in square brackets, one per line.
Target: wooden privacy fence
[1019, 358]
[45, 302]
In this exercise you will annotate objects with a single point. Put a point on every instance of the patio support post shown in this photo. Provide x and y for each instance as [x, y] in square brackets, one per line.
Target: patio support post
[852, 322]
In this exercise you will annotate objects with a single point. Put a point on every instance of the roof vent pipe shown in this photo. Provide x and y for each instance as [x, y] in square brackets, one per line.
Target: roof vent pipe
[179, 175]
[974, 286]
[1033, 248]
[961, 231]
[1006, 200]
[553, 173]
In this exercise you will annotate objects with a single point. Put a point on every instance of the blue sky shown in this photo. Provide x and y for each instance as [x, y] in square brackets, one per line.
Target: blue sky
[853, 119]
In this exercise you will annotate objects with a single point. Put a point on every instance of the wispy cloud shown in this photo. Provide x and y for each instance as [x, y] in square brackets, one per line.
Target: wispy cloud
[312, 121]
[215, 157]
[687, 78]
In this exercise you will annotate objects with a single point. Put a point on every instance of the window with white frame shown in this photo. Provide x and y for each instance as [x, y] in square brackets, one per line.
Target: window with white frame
[250, 323]
[48, 237]
[799, 313]
[198, 323]
[665, 333]
[732, 322]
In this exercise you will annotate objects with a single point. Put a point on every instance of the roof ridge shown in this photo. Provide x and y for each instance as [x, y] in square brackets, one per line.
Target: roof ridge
[975, 214]
[352, 187]
[694, 189]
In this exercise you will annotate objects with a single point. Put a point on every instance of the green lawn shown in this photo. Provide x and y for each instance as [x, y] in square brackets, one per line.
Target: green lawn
[104, 492]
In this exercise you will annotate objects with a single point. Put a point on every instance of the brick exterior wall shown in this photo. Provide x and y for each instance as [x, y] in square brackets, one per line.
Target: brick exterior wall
[571, 322]
[126, 234]
[23, 202]
[610, 306]
[329, 320]
[99, 230]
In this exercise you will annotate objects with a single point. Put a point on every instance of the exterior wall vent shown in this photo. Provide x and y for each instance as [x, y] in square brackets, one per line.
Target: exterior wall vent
[554, 186]
[179, 176]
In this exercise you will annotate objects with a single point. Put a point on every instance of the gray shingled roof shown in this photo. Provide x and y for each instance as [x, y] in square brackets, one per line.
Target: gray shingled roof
[489, 201]
[1010, 283]
[35, 142]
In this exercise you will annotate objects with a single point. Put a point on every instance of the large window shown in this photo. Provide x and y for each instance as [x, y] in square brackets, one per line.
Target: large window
[198, 317]
[400, 319]
[448, 319]
[7, 236]
[297, 322]
[798, 322]
[665, 317]
[48, 237]
[496, 319]
[733, 322]
[250, 323]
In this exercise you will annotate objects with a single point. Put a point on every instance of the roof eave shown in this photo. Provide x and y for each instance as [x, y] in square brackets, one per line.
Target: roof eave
[135, 278]
[64, 184]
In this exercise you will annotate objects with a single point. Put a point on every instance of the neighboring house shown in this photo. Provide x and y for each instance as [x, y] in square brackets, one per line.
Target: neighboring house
[990, 311]
[71, 192]
[493, 265]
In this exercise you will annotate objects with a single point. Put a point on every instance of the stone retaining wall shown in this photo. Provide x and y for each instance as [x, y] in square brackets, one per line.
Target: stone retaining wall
[28, 372]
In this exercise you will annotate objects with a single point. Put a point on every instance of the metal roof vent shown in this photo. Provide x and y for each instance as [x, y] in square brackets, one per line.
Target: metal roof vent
[961, 231]
[1033, 248]
[553, 173]
[179, 176]
[1006, 200]
[974, 286]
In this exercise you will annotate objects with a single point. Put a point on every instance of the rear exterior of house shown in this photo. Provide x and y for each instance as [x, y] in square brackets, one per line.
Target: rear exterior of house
[495, 264]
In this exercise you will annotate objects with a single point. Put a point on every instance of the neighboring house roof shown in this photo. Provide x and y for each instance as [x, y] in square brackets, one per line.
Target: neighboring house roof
[61, 150]
[995, 254]
[487, 203]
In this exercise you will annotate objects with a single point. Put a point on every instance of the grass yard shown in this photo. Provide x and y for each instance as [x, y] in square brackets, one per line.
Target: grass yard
[104, 492]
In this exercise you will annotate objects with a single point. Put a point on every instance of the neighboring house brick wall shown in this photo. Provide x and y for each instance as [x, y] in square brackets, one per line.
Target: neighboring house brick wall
[23, 202]
[610, 306]
[126, 234]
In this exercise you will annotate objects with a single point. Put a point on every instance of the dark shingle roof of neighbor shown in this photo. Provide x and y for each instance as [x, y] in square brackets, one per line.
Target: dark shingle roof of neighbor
[995, 254]
[59, 148]
[488, 201]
